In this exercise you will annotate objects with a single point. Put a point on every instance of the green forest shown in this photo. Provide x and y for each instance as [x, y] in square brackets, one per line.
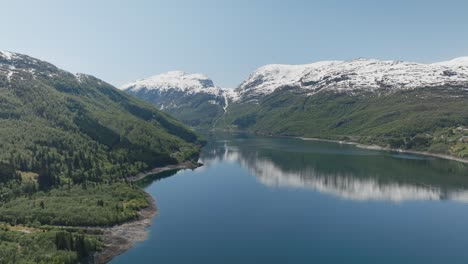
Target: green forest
[429, 119]
[28, 245]
[69, 143]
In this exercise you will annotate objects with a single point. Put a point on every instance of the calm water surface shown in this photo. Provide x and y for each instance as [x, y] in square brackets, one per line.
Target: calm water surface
[282, 200]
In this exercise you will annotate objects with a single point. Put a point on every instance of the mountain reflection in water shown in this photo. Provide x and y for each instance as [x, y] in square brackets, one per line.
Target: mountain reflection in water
[342, 170]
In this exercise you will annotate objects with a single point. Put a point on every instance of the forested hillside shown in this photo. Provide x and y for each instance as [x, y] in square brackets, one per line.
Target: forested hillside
[432, 119]
[68, 142]
[66, 128]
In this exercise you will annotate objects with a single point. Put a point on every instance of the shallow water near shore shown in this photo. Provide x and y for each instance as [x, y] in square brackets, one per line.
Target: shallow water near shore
[285, 200]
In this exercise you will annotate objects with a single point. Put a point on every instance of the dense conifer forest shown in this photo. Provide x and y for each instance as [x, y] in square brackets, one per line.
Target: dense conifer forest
[68, 144]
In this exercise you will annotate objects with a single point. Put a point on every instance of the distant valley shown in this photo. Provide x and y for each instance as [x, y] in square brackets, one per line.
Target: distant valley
[395, 104]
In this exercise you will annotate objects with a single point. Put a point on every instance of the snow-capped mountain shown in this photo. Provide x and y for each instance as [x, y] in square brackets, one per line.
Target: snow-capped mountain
[355, 75]
[291, 92]
[390, 103]
[193, 98]
[337, 76]
[175, 80]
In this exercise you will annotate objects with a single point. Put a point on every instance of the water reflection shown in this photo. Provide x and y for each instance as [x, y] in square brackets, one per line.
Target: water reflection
[342, 170]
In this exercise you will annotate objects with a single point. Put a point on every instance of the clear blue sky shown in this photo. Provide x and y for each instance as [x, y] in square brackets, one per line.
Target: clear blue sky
[120, 41]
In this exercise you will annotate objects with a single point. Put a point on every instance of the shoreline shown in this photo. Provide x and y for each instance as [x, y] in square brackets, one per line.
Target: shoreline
[362, 146]
[120, 238]
[377, 147]
[181, 166]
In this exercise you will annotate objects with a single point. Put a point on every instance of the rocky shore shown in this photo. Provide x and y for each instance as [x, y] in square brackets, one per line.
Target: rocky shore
[120, 238]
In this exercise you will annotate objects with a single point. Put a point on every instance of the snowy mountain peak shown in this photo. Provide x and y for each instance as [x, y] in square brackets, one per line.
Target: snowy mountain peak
[175, 80]
[358, 74]
[191, 97]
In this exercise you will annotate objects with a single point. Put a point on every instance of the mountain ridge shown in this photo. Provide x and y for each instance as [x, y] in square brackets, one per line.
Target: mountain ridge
[354, 75]
[338, 75]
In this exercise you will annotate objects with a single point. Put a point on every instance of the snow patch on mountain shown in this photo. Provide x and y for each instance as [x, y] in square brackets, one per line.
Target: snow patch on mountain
[13, 64]
[7, 55]
[230, 95]
[7, 68]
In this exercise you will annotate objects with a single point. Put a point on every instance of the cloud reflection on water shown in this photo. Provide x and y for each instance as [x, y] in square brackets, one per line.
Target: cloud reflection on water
[345, 185]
